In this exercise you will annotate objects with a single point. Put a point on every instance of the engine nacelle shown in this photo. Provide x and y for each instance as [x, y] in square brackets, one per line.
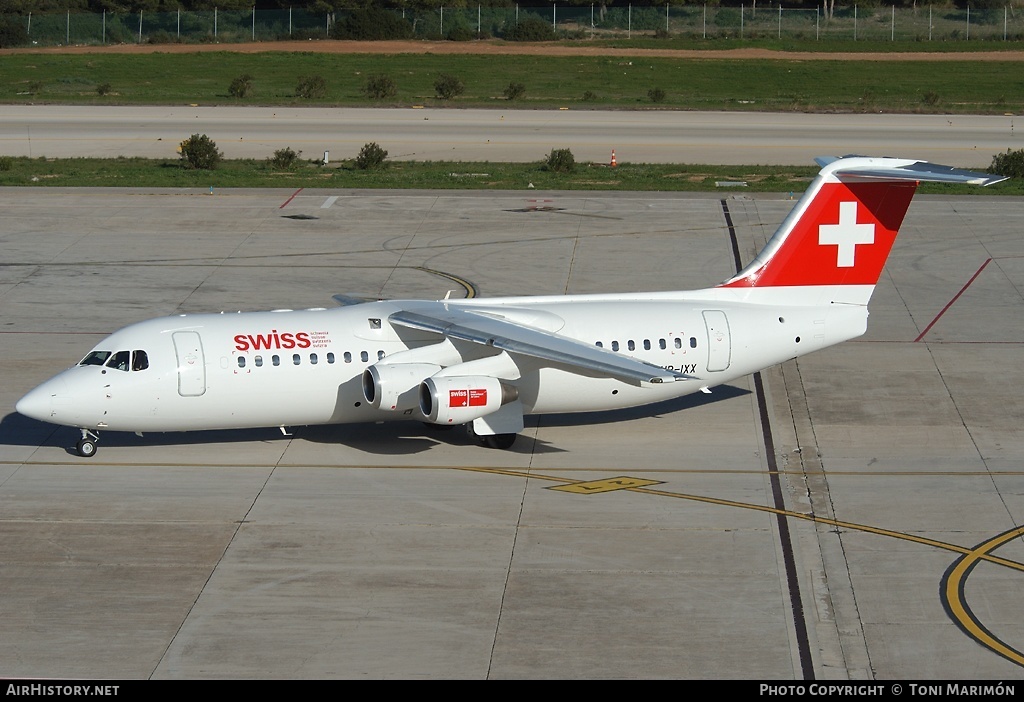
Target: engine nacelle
[394, 386]
[460, 399]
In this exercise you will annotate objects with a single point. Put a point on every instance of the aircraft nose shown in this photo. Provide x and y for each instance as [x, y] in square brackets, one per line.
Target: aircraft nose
[39, 403]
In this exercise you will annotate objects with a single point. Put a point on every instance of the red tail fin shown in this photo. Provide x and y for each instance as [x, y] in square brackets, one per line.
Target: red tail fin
[842, 229]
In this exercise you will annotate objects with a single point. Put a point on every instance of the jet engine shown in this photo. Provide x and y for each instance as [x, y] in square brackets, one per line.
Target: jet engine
[461, 399]
[393, 386]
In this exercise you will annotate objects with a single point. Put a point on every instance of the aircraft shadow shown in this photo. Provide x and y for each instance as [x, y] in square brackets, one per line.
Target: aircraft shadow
[399, 438]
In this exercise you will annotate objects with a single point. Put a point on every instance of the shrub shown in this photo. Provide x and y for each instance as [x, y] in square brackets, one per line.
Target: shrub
[200, 152]
[241, 86]
[373, 23]
[930, 98]
[1009, 164]
[380, 87]
[656, 95]
[461, 32]
[448, 86]
[104, 88]
[561, 161]
[35, 87]
[514, 91]
[589, 96]
[371, 156]
[284, 158]
[531, 29]
[311, 87]
[6, 163]
[13, 32]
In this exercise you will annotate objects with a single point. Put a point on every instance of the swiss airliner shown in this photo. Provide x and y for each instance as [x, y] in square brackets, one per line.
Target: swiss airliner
[487, 362]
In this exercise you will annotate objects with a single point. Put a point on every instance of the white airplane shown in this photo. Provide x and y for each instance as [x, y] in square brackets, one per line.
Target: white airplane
[486, 363]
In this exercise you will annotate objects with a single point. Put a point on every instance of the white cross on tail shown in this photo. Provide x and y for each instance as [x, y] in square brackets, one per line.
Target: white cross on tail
[846, 235]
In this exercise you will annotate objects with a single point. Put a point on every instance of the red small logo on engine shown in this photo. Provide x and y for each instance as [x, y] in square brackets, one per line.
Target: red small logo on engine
[475, 397]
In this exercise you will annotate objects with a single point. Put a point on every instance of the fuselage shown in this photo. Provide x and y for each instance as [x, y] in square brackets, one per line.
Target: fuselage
[305, 367]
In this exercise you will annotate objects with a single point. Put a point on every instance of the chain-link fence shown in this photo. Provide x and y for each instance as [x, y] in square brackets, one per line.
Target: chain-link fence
[744, 22]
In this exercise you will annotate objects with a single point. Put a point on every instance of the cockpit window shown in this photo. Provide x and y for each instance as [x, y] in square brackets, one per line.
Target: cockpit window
[119, 360]
[140, 360]
[95, 358]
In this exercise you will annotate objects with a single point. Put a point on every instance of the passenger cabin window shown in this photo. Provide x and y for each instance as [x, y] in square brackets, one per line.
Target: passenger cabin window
[615, 346]
[662, 345]
[647, 344]
[258, 361]
[348, 357]
[630, 345]
[693, 342]
[363, 356]
[241, 361]
[330, 357]
[313, 359]
[678, 342]
[296, 359]
[599, 344]
[275, 359]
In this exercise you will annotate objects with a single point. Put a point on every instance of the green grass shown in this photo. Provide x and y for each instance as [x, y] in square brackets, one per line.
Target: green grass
[975, 87]
[138, 172]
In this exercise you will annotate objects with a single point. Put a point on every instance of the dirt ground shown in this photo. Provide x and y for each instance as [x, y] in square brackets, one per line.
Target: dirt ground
[496, 47]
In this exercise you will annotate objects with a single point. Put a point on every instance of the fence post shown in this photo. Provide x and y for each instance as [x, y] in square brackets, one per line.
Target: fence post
[67, 30]
[629, 22]
[140, 26]
[892, 28]
[780, 20]
[104, 33]
[705, 30]
[817, 23]
[254, 23]
[179, 22]
[215, 23]
[968, 23]
[666, 17]
[855, 23]
[741, 20]
[553, 6]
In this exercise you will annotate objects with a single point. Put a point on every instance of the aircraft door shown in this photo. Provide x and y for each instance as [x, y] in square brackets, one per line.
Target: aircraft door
[188, 347]
[719, 343]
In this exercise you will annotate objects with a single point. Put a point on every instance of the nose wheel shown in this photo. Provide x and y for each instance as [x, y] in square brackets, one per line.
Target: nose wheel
[86, 446]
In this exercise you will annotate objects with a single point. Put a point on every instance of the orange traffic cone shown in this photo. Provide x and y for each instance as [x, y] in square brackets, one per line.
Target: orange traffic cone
[614, 162]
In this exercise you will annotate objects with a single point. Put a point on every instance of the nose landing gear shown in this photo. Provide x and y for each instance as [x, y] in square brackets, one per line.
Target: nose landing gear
[86, 446]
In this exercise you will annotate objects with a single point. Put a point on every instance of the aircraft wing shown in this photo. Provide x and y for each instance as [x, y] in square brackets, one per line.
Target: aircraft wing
[536, 343]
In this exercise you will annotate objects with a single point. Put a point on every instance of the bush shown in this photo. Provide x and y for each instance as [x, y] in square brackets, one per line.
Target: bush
[13, 32]
[380, 87]
[531, 29]
[104, 88]
[514, 91]
[373, 23]
[310, 88]
[589, 96]
[241, 86]
[561, 161]
[448, 86]
[6, 163]
[1009, 164]
[656, 95]
[930, 98]
[284, 158]
[461, 32]
[371, 156]
[200, 152]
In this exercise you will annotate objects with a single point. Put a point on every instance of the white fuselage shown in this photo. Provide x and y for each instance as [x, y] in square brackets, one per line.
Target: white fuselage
[305, 367]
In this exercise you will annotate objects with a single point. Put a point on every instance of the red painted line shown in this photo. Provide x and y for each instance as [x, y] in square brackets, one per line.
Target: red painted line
[290, 199]
[955, 298]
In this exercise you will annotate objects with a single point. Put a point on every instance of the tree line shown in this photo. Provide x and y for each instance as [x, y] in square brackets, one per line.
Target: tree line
[24, 7]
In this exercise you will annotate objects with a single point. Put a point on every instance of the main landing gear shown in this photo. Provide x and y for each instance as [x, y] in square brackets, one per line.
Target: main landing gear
[494, 441]
[86, 446]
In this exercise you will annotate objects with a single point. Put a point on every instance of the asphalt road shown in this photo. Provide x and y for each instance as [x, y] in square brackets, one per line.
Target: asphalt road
[742, 138]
